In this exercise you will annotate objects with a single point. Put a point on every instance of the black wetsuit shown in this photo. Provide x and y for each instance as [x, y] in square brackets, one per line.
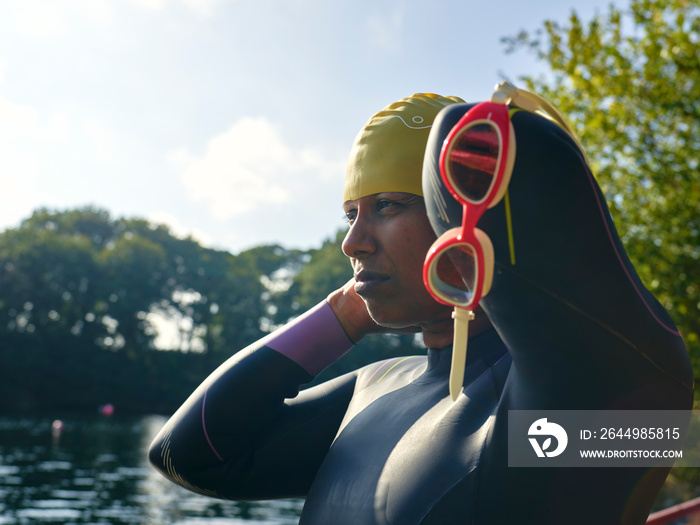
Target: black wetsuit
[575, 329]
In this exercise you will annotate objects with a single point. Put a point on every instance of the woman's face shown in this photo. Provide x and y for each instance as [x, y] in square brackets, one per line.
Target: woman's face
[388, 239]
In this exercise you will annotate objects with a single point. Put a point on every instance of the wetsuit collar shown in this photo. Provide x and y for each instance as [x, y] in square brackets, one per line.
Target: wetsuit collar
[486, 346]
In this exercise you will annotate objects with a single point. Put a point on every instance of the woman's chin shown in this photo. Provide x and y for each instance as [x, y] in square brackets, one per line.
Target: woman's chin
[407, 321]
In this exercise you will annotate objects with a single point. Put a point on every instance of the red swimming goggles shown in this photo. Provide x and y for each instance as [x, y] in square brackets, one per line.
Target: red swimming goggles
[476, 163]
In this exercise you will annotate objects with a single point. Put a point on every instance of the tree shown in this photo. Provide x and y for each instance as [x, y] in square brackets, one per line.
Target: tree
[81, 300]
[629, 83]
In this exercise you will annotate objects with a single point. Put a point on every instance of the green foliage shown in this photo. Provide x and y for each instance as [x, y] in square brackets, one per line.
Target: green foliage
[82, 298]
[629, 82]
[327, 269]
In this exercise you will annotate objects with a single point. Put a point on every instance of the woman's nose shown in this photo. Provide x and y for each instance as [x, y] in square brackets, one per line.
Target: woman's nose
[359, 241]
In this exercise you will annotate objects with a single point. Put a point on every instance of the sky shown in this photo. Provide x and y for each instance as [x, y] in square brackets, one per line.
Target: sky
[229, 120]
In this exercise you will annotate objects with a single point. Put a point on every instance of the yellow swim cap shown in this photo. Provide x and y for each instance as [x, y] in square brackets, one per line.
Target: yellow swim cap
[387, 154]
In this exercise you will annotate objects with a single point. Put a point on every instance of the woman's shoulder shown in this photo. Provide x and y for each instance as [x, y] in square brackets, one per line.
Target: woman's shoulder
[403, 369]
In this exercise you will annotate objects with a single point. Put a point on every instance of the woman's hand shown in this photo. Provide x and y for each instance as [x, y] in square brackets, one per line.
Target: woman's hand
[353, 316]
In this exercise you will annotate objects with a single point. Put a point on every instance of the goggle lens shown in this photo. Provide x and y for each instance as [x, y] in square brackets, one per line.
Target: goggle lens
[473, 160]
[456, 274]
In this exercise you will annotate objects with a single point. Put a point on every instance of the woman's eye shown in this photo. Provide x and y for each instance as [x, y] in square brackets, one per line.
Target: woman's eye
[350, 216]
[383, 204]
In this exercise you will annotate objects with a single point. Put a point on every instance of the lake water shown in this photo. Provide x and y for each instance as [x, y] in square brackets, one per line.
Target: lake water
[97, 472]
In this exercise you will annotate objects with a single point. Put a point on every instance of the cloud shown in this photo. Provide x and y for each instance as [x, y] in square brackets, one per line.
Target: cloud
[24, 143]
[53, 18]
[15, 204]
[41, 18]
[177, 228]
[23, 138]
[150, 5]
[40, 151]
[201, 7]
[247, 167]
[102, 141]
[15, 118]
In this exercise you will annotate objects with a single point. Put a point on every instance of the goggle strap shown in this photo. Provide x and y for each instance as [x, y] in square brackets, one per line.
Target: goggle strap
[462, 317]
[506, 93]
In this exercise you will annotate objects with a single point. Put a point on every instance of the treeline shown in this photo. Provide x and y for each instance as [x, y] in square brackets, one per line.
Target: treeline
[98, 310]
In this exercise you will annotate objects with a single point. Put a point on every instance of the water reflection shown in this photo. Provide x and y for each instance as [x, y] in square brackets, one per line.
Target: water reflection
[95, 471]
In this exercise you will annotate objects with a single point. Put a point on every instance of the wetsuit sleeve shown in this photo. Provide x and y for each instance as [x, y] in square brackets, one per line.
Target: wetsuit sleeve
[582, 329]
[246, 432]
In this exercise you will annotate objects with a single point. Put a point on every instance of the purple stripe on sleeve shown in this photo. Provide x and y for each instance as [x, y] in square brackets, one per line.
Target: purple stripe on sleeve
[313, 340]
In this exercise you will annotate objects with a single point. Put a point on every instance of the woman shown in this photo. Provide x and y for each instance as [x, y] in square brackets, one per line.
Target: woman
[387, 444]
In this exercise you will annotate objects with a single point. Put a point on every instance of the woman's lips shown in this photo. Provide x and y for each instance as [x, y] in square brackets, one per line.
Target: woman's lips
[366, 281]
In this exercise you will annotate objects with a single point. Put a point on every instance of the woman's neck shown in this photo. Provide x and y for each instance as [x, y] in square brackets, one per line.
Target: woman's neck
[441, 334]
